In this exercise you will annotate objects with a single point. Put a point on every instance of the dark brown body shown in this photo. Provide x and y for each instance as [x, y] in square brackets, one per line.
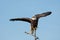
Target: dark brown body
[34, 25]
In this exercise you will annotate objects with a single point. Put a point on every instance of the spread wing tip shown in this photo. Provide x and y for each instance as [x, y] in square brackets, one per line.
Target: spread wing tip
[12, 19]
[47, 13]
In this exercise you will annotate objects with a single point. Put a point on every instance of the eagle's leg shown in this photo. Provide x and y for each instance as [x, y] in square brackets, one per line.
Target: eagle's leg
[35, 34]
[31, 31]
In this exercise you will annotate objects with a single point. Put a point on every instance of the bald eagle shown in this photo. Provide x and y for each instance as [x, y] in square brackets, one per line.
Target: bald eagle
[33, 21]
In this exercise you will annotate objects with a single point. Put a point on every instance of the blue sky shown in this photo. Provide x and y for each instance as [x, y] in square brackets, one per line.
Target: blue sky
[48, 27]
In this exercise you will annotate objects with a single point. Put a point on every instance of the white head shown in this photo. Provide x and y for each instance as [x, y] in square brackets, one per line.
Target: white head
[33, 18]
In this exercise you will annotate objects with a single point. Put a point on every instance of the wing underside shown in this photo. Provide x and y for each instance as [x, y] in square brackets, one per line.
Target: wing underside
[43, 14]
[21, 19]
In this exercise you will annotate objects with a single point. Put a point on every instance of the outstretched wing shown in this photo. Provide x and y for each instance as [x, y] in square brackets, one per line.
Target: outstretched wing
[21, 19]
[42, 15]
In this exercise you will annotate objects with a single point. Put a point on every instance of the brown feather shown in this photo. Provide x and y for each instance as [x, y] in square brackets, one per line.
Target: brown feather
[21, 19]
[42, 15]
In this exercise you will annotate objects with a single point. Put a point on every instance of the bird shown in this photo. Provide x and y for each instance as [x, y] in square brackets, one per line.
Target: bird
[33, 21]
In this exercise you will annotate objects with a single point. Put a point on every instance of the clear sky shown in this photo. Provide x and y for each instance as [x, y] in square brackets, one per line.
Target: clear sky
[48, 27]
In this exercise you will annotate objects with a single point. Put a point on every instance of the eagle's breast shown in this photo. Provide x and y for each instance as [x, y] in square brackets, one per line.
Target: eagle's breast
[34, 23]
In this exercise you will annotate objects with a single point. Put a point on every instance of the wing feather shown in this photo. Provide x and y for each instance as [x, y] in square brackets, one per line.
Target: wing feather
[43, 14]
[21, 19]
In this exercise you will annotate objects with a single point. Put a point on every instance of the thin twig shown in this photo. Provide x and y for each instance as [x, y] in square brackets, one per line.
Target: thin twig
[35, 37]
